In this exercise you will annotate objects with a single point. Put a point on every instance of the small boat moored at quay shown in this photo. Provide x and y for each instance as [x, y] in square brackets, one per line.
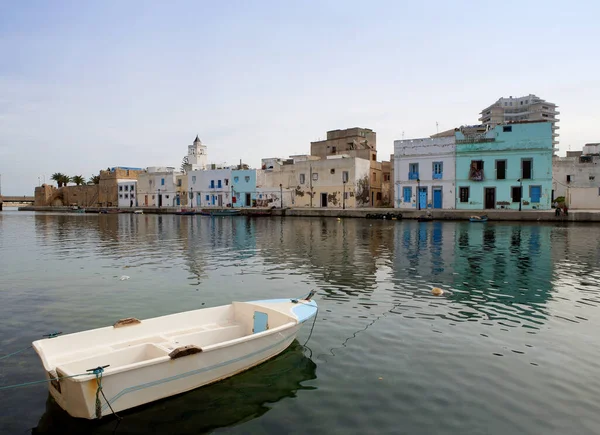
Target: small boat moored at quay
[135, 362]
[220, 212]
[483, 218]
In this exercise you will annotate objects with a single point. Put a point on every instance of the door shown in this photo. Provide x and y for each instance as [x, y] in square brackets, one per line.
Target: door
[220, 200]
[160, 200]
[198, 199]
[146, 200]
[177, 200]
[323, 200]
[437, 197]
[261, 322]
[423, 198]
[490, 197]
[248, 200]
[535, 192]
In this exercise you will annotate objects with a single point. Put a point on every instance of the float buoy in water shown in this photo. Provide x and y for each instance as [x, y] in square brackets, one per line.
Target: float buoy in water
[436, 291]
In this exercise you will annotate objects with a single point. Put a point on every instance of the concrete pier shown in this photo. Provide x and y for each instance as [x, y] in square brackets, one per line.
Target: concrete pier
[493, 215]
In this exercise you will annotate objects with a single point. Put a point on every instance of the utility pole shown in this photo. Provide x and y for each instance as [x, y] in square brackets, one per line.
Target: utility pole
[280, 195]
[310, 183]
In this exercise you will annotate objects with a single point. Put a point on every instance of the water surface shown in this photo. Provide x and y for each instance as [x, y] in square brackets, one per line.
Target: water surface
[510, 347]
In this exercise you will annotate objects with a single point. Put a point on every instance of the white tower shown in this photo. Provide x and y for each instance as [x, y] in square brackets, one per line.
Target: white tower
[197, 155]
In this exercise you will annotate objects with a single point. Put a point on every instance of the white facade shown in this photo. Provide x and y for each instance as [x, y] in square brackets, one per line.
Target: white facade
[428, 166]
[577, 178]
[157, 187]
[197, 156]
[127, 191]
[210, 188]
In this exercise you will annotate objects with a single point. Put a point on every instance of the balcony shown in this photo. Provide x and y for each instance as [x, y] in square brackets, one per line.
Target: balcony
[435, 176]
[413, 175]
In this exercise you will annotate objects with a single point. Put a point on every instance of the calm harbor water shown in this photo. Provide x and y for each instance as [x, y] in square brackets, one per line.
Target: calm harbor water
[511, 347]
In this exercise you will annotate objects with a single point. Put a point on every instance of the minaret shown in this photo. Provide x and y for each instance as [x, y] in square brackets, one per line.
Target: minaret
[197, 155]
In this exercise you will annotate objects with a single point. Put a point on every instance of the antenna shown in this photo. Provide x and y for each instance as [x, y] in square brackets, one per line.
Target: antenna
[436, 127]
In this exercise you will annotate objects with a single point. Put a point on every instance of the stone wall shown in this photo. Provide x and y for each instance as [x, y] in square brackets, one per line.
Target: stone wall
[82, 196]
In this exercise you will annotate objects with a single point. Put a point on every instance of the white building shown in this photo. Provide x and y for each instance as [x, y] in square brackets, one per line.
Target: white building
[424, 172]
[528, 108]
[210, 188]
[127, 191]
[576, 177]
[197, 156]
[157, 187]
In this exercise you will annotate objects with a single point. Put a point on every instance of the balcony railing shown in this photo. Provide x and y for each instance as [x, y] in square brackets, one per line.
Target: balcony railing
[413, 175]
[437, 176]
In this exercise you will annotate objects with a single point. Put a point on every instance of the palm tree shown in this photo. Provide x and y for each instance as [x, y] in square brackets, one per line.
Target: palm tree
[66, 180]
[78, 180]
[59, 177]
[94, 179]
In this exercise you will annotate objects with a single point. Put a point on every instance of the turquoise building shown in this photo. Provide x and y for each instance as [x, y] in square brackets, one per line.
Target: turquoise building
[506, 167]
[244, 187]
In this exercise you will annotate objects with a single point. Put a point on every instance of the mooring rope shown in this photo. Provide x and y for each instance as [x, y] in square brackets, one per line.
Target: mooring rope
[98, 372]
[26, 384]
[51, 335]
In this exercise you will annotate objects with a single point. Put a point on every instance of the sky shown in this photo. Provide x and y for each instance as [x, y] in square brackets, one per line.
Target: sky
[96, 84]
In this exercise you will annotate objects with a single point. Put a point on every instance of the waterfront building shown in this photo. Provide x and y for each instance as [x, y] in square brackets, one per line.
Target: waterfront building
[387, 184]
[157, 187]
[108, 187]
[127, 193]
[244, 187]
[181, 189]
[424, 171]
[211, 187]
[359, 143]
[528, 108]
[508, 166]
[576, 177]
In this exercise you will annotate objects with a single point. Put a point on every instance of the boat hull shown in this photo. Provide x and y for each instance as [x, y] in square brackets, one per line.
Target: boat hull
[130, 389]
[148, 360]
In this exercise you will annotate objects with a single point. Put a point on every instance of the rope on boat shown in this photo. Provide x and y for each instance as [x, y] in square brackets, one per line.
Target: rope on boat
[51, 335]
[98, 372]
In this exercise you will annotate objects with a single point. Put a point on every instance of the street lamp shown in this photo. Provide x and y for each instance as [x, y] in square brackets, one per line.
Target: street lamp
[520, 193]
[344, 195]
[280, 195]
[158, 198]
[418, 194]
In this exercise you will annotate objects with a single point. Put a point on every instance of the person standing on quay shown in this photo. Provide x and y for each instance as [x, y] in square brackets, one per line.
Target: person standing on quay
[556, 209]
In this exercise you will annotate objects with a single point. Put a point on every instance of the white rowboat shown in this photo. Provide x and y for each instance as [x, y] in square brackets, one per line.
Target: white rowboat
[138, 362]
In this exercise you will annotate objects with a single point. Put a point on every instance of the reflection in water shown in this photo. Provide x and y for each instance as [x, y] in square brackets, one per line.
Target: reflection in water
[226, 403]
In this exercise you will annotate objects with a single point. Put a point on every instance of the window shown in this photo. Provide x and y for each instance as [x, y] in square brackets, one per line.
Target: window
[212, 184]
[374, 177]
[126, 196]
[378, 196]
[193, 179]
[302, 178]
[526, 165]
[407, 194]
[476, 170]
[218, 184]
[333, 149]
[463, 193]
[568, 178]
[535, 193]
[207, 197]
[120, 195]
[247, 178]
[162, 181]
[345, 176]
[413, 171]
[315, 176]
[236, 179]
[438, 169]
[592, 178]
[507, 128]
[516, 193]
[132, 196]
[373, 157]
[226, 181]
[120, 188]
[179, 182]
[332, 171]
[386, 177]
[500, 169]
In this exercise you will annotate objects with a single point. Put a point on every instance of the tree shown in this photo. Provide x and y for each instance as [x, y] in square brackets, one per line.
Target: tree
[94, 179]
[59, 177]
[78, 180]
[362, 190]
